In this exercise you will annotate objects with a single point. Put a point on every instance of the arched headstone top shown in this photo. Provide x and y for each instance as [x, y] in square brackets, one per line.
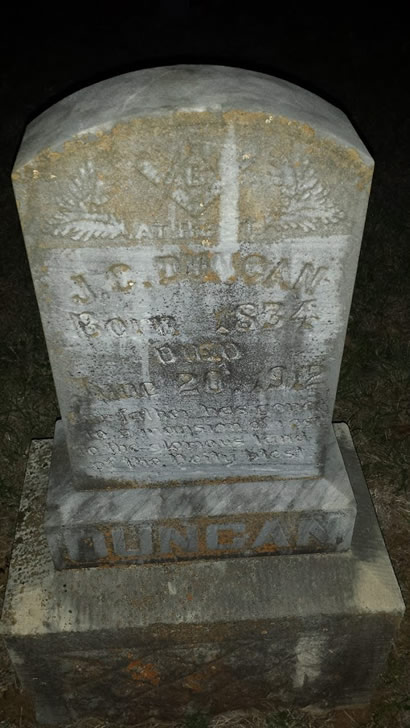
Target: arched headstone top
[190, 88]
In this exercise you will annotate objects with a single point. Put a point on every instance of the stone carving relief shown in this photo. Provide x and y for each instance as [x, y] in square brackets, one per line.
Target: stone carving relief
[304, 202]
[80, 216]
[190, 178]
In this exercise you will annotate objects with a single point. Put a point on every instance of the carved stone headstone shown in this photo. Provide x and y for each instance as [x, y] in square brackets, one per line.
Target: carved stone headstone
[193, 234]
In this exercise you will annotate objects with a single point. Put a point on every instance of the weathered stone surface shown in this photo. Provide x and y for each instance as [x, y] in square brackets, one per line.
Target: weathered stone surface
[179, 522]
[193, 234]
[209, 635]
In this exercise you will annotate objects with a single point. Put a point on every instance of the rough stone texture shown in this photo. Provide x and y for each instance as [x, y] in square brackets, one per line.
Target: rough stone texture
[166, 639]
[193, 234]
[180, 522]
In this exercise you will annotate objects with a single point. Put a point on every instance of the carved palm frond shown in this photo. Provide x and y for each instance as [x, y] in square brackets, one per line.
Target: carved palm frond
[305, 202]
[79, 216]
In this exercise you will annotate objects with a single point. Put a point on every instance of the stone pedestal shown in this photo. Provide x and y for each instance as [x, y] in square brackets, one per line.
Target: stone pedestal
[178, 522]
[165, 639]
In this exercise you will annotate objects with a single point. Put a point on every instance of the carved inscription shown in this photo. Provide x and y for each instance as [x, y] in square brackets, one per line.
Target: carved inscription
[191, 178]
[118, 390]
[276, 432]
[92, 325]
[210, 379]
[209, 351]
[193, 540]
[280, 376]
[205, 267]
[266, 315]
[239, 318]
[251, 269]
[213, 381]
[208, 420]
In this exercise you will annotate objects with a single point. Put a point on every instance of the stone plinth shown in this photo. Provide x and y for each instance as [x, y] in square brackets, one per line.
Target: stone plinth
[180, 522]
[167, 639]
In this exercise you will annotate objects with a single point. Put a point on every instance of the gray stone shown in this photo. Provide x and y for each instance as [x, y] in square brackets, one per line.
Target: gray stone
[164, 640]
[193, 234]
[168, 522]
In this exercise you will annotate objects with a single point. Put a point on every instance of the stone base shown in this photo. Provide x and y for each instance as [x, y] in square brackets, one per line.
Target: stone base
[180, 522]
[163, 640]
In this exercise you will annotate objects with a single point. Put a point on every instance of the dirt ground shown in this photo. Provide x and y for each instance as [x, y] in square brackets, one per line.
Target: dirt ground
[364, 70]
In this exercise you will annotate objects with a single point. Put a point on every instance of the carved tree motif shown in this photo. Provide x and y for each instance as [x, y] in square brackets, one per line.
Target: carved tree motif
[304, 201]
[79, 216]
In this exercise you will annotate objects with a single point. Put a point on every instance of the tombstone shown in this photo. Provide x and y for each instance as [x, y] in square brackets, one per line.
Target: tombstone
[194, 267]
[193, 234]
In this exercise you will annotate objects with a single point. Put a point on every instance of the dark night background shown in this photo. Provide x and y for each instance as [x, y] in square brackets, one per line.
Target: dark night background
[363, 67]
